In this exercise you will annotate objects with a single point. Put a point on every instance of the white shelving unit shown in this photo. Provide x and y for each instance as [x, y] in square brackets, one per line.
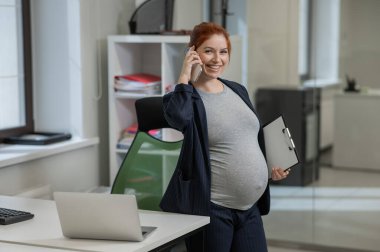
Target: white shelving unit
[153, 54]
[128, 54]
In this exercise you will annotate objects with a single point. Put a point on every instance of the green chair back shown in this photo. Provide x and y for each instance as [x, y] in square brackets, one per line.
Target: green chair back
[146, 169]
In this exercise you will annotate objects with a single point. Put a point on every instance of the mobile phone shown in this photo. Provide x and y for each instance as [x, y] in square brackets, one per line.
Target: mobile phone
[196, 71]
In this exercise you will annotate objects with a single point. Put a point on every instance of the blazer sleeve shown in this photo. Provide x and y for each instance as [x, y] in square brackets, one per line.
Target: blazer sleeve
[177, 105]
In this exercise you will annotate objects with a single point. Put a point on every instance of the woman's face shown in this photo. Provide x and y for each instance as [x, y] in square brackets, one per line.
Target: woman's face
[214, 55]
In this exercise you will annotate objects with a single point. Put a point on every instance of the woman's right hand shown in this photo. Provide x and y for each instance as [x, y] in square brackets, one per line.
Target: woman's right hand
[278, 173]
[191, 58]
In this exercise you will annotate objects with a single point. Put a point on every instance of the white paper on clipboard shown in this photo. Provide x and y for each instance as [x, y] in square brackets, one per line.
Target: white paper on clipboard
[279, 146]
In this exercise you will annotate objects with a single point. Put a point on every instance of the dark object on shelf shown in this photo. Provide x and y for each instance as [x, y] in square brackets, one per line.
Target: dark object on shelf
[152, 17]
[9, 216]
[301, 108]
[351, 85]
[38, 138]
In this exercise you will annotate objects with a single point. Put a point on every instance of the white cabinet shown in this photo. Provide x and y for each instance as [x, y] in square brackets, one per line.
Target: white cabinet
[152, 54]
[356, 132]
[128, 54]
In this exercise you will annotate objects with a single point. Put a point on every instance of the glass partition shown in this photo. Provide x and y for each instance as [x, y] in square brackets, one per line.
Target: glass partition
[332, 200]
[350, 165]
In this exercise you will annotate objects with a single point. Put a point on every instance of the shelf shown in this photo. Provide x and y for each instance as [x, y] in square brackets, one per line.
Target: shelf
[149, 39]
[121, 151]
[160, 55]
[151, 152]
[125, 95]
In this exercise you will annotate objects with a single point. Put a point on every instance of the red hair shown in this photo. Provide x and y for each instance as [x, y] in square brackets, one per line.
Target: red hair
[204, 31]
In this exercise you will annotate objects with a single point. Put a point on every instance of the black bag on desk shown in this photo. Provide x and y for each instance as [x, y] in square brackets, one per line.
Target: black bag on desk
[152, 17]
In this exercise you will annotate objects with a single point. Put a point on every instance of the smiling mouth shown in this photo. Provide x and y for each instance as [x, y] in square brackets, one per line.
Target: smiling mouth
[213, 67]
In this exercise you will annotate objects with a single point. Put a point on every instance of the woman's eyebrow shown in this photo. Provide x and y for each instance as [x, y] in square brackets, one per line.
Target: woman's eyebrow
[208, 48]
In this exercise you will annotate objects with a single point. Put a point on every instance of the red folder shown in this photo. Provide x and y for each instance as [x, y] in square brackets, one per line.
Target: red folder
[140, 77]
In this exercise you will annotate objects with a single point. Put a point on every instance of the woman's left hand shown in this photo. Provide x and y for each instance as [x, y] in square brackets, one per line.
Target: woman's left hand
[278, 173]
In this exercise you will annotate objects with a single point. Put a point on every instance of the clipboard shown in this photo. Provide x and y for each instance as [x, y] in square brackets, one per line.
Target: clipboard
[279, 145]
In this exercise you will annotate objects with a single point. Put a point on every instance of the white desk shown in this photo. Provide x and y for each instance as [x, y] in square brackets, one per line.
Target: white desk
[12, 247]
[356, 131]
[44, 229]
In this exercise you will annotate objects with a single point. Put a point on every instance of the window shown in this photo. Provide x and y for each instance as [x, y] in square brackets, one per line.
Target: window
[304, 40]
[16, 107]
[319, 40]
[325, 39]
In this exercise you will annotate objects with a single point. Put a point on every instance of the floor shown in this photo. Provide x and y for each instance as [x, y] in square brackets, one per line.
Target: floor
[279, 249]
[339, 212]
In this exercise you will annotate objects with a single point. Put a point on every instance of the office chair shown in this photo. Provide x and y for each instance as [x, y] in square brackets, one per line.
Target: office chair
[150, 162]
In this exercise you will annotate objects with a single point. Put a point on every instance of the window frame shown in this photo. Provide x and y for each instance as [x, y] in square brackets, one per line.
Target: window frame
[323, 44]
[28, 87]
[307, 40]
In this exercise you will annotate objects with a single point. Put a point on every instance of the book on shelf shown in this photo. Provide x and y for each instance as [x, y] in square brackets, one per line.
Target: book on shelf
[126, 137]
[142, 83]
[141, 77]
[155, 89]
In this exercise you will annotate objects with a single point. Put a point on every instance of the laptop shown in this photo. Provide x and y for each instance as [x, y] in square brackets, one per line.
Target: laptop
[100, 216]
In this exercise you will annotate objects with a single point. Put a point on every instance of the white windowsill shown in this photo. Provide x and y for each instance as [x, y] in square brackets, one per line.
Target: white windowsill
[11, 154]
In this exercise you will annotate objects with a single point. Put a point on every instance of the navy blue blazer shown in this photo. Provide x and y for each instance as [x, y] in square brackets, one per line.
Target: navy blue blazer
[189, 189]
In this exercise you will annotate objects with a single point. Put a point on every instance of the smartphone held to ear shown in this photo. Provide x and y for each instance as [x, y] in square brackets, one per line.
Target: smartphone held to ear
[196, 71]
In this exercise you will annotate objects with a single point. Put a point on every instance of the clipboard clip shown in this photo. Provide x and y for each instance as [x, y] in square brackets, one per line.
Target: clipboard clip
[286, 131]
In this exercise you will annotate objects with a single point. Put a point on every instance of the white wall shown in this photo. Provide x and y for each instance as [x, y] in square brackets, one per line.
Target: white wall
[359, 41]
[70, 171]
[98, 20]
[272, 43]
[187, 14]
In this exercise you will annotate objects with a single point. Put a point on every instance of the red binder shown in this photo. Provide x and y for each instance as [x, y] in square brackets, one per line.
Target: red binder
[141, 77]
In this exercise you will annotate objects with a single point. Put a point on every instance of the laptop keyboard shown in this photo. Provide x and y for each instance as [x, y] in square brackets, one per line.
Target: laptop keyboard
[9, 216]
